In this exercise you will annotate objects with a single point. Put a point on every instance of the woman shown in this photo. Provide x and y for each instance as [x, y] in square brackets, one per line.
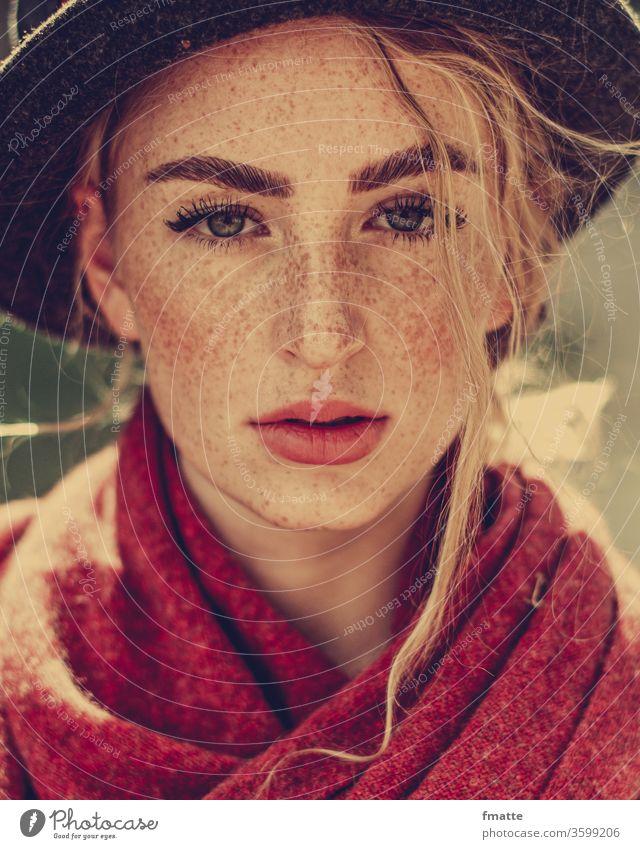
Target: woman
[297, 574]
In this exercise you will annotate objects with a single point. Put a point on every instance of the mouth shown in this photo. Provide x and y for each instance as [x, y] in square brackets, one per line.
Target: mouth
[335, 434]
[341, 420]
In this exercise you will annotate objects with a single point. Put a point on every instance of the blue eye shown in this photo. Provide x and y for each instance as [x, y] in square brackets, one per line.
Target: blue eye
[411, 217]
[221, 223]
[224, 224]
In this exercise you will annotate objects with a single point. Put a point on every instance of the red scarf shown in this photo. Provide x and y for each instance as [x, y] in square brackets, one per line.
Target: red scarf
[139, 661]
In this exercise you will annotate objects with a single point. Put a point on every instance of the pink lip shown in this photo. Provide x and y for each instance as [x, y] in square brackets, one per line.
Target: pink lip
[326, 412]
[308, 441]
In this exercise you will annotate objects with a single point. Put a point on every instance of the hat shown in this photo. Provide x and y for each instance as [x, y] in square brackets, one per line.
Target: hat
[582, 69]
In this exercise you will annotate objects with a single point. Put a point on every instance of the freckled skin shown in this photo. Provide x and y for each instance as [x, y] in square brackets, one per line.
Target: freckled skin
[334, 294]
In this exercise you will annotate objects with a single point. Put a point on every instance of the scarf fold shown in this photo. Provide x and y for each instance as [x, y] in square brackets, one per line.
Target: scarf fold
[140, 661]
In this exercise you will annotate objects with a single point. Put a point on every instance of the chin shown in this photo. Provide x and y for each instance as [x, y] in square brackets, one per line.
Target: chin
[310, 511]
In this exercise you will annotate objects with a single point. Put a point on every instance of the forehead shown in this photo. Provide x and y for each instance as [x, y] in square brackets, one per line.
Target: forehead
[311, 88]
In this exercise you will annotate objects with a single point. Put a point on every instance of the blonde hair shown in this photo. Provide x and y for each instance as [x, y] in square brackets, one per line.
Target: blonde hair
[526, 199]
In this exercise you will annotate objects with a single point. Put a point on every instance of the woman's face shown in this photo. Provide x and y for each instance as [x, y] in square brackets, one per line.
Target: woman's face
[317, 286]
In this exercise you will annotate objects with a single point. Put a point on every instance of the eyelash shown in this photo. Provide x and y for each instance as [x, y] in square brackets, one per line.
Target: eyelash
[187, 218]
[413, 203]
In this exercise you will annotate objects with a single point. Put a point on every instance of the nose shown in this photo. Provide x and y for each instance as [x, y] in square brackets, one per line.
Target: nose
[323, 333]
[322, 327]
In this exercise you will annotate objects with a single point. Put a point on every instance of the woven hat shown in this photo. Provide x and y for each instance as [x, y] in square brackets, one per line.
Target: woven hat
[582, 68]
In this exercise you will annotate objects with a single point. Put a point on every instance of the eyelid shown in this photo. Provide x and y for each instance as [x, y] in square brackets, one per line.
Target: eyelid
[202, 208]
[416, 201]
[426, 203]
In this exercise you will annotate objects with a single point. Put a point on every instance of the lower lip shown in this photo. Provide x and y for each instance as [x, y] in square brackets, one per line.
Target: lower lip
[329, 446]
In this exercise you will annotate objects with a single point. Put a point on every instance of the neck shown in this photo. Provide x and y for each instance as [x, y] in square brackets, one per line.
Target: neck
[324, 581]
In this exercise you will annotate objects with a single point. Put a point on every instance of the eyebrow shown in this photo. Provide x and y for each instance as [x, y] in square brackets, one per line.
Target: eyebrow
[412, 162]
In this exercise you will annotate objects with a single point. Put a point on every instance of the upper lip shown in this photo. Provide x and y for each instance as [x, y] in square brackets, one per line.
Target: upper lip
[328, 411]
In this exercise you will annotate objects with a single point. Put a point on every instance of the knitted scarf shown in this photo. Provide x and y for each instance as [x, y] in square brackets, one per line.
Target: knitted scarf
[139, 660]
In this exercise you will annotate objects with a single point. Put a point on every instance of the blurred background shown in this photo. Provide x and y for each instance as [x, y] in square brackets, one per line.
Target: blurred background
[592, 332]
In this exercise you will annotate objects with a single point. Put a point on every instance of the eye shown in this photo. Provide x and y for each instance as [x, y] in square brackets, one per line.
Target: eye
[410, 217]
[219, 223]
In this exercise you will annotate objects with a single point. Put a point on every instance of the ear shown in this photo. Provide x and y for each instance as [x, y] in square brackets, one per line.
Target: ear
[97, 261]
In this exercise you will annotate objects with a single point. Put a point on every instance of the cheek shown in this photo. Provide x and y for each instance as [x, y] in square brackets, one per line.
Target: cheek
[429, 339]
[417, 317]
[440, 328]
[436, 372]
[426, 366]
[196, 339]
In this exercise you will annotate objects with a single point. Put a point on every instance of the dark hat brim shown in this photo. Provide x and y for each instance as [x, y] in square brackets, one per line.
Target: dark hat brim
[582, 64]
